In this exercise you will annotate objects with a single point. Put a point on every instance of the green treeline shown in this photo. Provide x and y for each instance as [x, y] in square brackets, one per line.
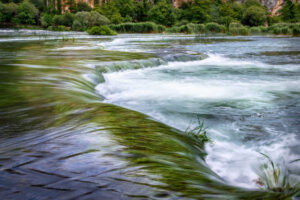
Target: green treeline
[197, 16]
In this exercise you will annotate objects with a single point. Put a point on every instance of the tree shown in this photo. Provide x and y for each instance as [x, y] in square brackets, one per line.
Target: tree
[111, 11]
[290, 12]
[81, 21]
[126, 7]
[46, 20]
[254, 16]
[82, 6]
[162, 13]
[26, 13]
[84, 20]
[97, 19]
[197, 11]
[141, 9]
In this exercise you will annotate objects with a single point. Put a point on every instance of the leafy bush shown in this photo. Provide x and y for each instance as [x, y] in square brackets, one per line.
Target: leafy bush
[101, 30]
[239, 31]
[255, 30]
[111, 11]
[162, 13]
[26, 13]
[296, 30]
[67, 19]
[188, 28]
[254, 16]
[263, 29]
[46, 20]
[57, 20]
[235, 25]
[258, 30]
[85, 20]
[82, 6]
[97, 19]
[57, 28]
[81, 21]
[7, 11]
[2, 12]
[281, 28]
[142, 27]
[214, 28]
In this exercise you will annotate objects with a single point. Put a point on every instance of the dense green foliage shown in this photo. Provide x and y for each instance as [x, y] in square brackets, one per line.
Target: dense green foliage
[142, 27]
[162, 13]
[254, 16]
[101, 30]
[26, 13]
[84, 20]
[290, 12]
[129, 16]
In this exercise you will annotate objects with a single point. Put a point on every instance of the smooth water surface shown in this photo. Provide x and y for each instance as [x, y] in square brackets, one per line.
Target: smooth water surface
[69, 126]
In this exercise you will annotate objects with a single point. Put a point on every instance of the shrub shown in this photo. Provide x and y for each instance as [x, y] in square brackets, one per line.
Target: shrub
[163, 13]
[214, 28]
[101, 30]
[97, 19]
[173, 29]
[26, 13]
[238, 31]
[196, 28]
[46, 20]
[81, 21]
[2, 12]
[57, 20]
[263, 29]
[190, 28]
[296, 30]
[67, 19]
[282, 28]
[8, 11]
[255, 30]
[254, 16]
[82, 6]
[57, 28]
[235, 25]
[84, 20]
[142, 27]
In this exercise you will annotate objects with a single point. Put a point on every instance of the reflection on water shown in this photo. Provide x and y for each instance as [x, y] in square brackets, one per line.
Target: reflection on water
[61, 138]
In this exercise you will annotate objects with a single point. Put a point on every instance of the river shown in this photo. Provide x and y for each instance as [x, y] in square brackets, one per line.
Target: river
[104, 117]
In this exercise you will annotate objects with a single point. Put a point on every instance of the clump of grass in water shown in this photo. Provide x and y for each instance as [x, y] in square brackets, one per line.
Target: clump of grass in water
[276, 178]
[198, 132]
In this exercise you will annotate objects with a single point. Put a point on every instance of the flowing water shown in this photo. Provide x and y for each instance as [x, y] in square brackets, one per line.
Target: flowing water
[94, 117]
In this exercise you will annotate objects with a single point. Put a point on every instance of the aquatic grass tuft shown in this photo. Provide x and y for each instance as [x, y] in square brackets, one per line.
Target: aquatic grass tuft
[198, 132]
[276, 178]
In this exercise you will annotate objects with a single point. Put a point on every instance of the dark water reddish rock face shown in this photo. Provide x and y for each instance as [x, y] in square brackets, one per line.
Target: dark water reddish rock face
[65, 136]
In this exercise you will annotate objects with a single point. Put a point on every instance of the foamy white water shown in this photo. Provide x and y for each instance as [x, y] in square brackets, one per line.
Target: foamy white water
[245, 103]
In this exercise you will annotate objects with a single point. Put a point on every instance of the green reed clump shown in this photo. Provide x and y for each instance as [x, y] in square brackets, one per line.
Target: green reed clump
[142, 27]
[296, 29]
[100, 30]
[283, 28]
[57, 28]
[189, 28]
[198, 132]
[214, 28]
[276, 178]
[237, 29]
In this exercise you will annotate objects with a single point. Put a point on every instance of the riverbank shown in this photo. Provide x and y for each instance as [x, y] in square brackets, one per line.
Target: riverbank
[234, 29]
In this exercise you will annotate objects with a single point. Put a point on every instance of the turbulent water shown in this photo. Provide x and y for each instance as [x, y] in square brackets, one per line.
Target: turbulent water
[69, 126]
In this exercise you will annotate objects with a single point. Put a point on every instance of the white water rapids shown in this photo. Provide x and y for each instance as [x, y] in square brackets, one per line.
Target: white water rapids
[245, 104]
